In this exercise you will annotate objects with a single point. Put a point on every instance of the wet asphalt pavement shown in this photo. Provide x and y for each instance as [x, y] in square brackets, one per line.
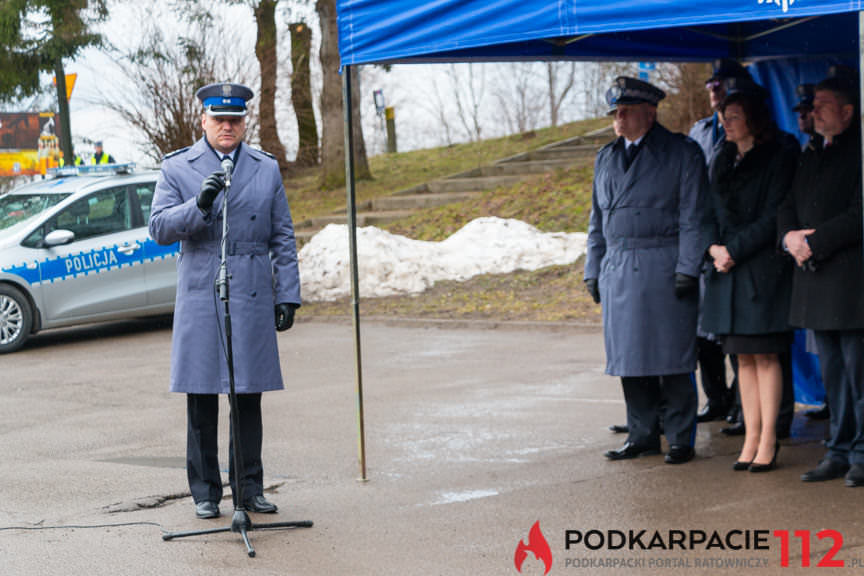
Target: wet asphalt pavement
[473, 434]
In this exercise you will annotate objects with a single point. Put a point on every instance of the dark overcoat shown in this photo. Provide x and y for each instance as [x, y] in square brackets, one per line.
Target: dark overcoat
[262, 263]
[826, 196]
[644, 228]
[741, 214]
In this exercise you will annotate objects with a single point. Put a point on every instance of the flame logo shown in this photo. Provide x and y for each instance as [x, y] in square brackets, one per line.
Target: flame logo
[536, 544]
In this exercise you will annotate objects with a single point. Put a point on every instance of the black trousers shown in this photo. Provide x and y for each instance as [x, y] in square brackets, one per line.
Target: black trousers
[712, 369]
[646, 396]
[841, 357]
[202, 450]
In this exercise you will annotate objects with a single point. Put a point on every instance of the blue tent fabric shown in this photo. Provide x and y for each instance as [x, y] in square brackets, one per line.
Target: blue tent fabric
[458, 30]
[788, 41]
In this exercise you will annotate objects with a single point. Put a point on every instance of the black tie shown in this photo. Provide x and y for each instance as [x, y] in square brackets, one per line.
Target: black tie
[631, 151]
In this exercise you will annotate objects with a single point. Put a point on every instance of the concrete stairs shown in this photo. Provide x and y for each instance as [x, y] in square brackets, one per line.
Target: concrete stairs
[465, 185]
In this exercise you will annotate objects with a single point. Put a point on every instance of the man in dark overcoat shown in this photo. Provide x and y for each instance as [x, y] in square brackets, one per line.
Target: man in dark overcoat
[819, 225]
[264, 288]
[642, 265]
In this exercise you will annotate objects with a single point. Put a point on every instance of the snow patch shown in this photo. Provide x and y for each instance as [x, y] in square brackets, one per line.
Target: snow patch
[389, 264]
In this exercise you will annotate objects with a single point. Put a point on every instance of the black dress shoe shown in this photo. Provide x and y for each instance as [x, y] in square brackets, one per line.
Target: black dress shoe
[630, 450]
[754, 467]
[734, 414]
[855, 476]
[207, 509]
[261, 505]
[736, 429]
[679, 454]
[712, 411]
[823, 413]
[740, 466]
[828, 469]
[619, 428]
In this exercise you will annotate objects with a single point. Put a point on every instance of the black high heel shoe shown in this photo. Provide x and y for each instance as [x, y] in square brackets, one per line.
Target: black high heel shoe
[740, 466]
[766, 467]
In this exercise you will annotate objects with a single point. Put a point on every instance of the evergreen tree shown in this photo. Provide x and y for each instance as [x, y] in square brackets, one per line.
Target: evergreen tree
[37, 36]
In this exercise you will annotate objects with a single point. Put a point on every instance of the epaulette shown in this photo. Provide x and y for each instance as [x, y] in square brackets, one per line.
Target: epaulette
[268, 154]
[608, 145]
[175, 153]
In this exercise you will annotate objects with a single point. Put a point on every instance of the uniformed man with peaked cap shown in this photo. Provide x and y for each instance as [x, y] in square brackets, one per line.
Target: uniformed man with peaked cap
[642, 265]
[265, 287]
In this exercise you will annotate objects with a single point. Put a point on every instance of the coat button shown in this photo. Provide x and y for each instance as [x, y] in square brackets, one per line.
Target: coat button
[252, 217]
[254, 294]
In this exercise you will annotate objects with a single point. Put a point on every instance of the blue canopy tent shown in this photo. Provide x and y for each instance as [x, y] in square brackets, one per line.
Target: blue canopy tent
[789, 41]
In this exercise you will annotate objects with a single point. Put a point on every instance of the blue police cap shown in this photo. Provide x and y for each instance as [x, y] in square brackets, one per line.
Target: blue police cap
[744, 84]
[727, 68]
[627, 90]
[805, 97]
[224, 99]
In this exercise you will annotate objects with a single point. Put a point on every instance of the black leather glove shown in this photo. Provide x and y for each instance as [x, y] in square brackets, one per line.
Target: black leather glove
[284, 316]
[593, 289]
[686, 285]
[210, 188]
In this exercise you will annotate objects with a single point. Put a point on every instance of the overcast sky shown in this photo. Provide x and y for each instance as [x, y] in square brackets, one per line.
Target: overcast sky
[419, 92]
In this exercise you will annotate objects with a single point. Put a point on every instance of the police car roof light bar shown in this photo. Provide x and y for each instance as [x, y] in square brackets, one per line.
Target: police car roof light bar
[106, 169]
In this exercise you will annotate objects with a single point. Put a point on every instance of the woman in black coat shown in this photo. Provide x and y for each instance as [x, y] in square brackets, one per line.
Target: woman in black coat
[747, 291]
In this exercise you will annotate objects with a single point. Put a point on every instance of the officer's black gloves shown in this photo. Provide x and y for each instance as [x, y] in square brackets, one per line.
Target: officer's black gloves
[284, 316]
[593, 289]
[686, 285]
[210, 188]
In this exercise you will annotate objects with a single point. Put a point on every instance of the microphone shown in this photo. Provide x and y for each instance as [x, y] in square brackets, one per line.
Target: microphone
[227, 167]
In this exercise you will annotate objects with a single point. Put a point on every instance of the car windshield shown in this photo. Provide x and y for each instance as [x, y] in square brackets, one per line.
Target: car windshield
[19, 208]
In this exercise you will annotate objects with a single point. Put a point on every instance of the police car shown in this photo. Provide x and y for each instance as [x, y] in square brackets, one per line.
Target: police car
[75, 249]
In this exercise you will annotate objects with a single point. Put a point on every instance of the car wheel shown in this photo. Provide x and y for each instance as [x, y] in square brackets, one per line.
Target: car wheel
[16, 319]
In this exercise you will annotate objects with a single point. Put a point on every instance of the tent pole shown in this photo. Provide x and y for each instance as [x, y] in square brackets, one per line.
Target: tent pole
[352, 247]
[861, 87]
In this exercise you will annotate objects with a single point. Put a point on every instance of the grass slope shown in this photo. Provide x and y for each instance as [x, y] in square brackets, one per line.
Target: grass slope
[557, 201]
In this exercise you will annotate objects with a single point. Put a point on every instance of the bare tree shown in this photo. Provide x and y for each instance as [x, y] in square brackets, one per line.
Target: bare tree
[559, 86]
[301, 94]
[165, 74]
[686, 100]
[332, 122]
[265, 51]
[519, 96]
[468, 95]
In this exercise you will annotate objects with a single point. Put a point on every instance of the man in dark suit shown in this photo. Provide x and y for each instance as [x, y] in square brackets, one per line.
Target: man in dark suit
[819, 225]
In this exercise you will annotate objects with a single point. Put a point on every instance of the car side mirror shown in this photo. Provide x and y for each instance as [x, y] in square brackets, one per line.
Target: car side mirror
[58, 237]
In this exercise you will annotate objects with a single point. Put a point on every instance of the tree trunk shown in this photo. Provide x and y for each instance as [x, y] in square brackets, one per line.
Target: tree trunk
[361, 162]
[332, 123]
[301, 95]
[63, 104]
[265, 51]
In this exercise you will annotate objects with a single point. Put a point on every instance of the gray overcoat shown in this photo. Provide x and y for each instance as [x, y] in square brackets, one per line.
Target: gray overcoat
[644, 229]
[262, 263]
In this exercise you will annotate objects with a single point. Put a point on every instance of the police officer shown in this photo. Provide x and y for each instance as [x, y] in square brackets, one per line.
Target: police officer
[643, 264]
[265, 288]
[804, 109]
[99, 156]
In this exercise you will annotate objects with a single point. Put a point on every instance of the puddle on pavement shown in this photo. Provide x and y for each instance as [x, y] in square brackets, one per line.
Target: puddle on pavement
[149, 461]
[452, 497]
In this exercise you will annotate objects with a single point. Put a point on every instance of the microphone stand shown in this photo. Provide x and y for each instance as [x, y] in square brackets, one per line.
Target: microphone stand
[240, 522]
